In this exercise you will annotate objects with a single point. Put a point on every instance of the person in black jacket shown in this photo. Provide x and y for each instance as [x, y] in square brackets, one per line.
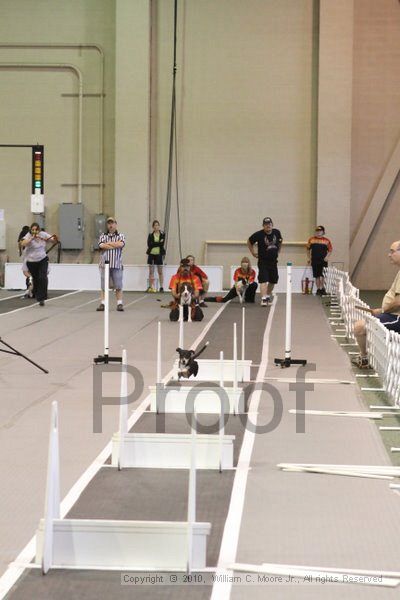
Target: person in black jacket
[155, 255]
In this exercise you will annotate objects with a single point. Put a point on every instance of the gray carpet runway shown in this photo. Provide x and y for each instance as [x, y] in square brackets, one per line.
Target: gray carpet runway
[157, 494]
[288, 518]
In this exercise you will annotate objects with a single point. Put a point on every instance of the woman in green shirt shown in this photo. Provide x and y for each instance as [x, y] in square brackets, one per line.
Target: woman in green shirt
[155, 255]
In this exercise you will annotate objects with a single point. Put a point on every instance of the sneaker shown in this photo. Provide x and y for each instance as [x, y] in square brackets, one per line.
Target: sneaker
[100, 308]
[120, 307]
[323, 292]
[150, 290]
[161, 290]
[318, 293]
[361, 362]
[269, 300]
[41, 303]
[264, 301]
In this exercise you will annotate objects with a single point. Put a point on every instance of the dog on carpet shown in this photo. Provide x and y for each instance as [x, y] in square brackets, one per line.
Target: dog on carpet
[187, 362]
[241, 288]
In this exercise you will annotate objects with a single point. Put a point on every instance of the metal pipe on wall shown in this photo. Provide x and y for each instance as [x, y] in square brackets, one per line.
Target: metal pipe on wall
[78, 72]
[99, 49]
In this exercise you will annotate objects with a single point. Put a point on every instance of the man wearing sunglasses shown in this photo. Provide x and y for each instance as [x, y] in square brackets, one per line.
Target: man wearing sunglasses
[388, 314]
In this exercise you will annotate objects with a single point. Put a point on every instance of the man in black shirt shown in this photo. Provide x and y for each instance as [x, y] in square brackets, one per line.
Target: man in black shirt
[269, 241]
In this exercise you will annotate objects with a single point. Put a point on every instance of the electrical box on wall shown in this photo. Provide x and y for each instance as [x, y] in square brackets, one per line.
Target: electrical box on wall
[2, 230]
[37, 204]
[71, 226]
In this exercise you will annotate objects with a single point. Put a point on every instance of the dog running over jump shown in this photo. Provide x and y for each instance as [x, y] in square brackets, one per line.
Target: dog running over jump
[187, 362]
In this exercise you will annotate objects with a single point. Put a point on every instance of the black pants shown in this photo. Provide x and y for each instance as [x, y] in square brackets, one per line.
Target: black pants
[38, 270]
[249, 295]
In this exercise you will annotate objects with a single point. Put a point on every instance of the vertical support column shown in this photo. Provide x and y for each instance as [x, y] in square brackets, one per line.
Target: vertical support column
[335, 80]
[132, 122]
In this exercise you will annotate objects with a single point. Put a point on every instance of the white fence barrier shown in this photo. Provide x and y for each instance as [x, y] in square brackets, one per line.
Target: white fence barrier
[383, 346]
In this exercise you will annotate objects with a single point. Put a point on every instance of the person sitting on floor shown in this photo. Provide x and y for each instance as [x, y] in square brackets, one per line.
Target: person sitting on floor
[243, 277]
[388, 314]
[195, 270]
[185, 276]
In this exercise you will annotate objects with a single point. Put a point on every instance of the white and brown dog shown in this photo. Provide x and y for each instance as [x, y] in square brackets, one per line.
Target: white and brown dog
[186, 299]
[187, 362]
[241, 287]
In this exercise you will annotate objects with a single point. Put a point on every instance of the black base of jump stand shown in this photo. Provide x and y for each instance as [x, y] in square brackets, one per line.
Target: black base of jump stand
[105, 359]
[287, 362]
[18, 353]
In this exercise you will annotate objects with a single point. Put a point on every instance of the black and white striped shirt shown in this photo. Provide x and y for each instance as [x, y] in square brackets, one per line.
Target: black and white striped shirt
[113, 256]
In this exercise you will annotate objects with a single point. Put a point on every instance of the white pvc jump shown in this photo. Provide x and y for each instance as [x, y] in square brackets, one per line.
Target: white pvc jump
[175, 400]
[166, 450]
[103, 543]
[173, 451]
[209, 369]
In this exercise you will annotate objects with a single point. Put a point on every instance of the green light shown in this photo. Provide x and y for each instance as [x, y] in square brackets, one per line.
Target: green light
[38, 184]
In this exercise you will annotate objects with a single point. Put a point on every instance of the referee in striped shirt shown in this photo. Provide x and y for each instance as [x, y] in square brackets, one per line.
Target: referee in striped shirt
[110, 245]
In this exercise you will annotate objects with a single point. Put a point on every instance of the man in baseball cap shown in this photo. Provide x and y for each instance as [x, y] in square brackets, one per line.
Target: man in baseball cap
[268, 241]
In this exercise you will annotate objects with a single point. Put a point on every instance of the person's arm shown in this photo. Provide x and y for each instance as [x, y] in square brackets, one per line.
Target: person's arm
[330, 248]
[250, 246]
[308, 248]
[26, 240]
[391, 305]
[174, 288]
[280, 240]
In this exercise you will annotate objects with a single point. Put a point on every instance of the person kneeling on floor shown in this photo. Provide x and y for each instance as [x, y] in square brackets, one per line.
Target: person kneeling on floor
[388, 314]
[184, 282]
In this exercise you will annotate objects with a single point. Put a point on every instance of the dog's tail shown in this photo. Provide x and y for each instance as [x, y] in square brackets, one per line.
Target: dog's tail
[201, 350]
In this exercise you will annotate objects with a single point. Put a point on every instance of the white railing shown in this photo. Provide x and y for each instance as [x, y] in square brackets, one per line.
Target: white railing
[383, 346]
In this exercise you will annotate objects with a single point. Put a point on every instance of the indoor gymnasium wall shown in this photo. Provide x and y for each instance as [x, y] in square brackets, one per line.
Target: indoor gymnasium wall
[40, 106]
[245, 126]
[376, 130]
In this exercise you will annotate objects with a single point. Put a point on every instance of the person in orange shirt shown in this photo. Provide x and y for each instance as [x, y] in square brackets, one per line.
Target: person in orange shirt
[319, 248]
[243, 275]
[184, 275]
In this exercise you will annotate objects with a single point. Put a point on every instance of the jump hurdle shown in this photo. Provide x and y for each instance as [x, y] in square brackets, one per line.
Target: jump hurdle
[209, 368]
[113, 544]
[207, 399]
[166, 450]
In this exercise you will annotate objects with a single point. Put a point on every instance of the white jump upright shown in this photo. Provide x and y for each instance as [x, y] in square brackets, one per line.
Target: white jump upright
[288, 360]
[181, 328]
[235, 369]
[159, 352]
[114, 544]
[243, 333]
[106, 358]
[221, 416]
[52, 498]
[191, 514]
[123, 411]
[106, 309]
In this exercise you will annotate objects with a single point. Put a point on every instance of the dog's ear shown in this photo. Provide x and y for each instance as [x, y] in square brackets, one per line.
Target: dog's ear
[179, 351]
